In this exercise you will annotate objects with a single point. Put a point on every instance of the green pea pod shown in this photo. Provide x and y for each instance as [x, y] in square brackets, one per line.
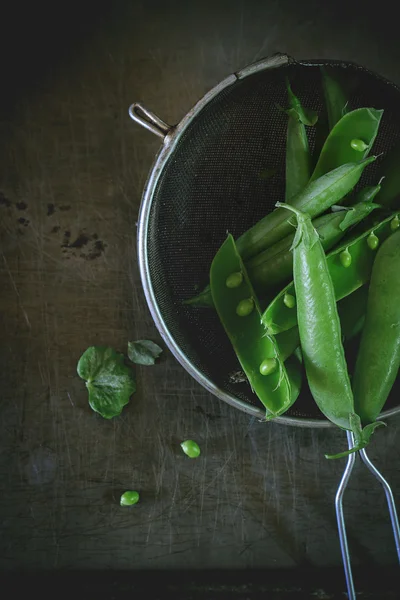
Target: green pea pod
[321, 133]
[335, 98]
[278, 317]
[273, 266]
[287, 342]
[390, 172]
[298, 159]
[366, 194]
[355, 214]
[294, 371]
[253, 346]
[361, 124]
[315, 198]
[351, 313]
[305, 115]
[320, 331]
[378, 359]
[298, 165]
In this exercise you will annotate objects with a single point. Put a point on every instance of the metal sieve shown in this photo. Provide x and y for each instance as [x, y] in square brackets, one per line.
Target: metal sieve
[209, 178]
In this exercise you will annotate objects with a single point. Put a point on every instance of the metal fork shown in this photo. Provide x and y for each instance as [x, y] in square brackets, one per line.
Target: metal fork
[340, 517]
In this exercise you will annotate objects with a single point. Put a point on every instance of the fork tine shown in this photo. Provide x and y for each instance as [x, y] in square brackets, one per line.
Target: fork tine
[351, 459]
[389, 497]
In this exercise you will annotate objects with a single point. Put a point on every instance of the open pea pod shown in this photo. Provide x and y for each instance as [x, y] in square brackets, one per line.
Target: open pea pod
[235, 301]
[350, 140]
[287, 341]
[350, 267]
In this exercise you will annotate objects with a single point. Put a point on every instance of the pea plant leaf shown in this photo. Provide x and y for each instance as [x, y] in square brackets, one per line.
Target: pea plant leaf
[143, 352]
[110, 382]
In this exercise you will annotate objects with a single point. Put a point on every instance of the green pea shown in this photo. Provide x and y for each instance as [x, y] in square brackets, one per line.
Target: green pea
[358, 145]
[190, 448]
[395, 223]
[289, 300]
[268, 366]
[245, 307]
[372, 241]
[234, 280]
[129, 498]
[345, 258]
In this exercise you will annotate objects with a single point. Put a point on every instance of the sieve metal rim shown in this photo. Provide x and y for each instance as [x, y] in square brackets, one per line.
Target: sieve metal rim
[171, 135]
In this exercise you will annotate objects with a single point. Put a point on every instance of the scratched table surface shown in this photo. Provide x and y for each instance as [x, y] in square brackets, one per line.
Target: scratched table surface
[72, 169]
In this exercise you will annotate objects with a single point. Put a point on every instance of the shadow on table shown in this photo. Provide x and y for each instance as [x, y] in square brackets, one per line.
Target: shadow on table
[323, 584]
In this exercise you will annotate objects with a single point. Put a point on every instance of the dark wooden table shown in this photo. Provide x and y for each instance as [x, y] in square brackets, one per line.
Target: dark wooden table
[72, 168]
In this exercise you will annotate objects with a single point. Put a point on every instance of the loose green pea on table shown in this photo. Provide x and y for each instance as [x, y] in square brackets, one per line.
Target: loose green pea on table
[129, 498]
[190, 448]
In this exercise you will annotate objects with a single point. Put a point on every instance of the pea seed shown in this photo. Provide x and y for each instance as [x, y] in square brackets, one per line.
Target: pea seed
[289, 300]
[345, 258]
[395, 223]
[190, 448]
[358, 145]
[372, 241]
[268, 366]
[245, 307]
[234, 280]
[129, 498]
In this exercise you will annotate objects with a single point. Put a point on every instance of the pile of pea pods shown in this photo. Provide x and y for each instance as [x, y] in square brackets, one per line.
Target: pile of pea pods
[343, 267]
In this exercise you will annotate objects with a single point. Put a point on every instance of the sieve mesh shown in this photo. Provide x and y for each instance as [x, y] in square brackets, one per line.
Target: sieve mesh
[213, 182]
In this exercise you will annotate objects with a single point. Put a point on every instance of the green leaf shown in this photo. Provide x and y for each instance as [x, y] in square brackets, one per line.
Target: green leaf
[143, 352]
[110, 382]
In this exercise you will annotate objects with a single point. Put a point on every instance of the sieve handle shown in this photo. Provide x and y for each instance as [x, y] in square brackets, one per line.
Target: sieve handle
[149, 120]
